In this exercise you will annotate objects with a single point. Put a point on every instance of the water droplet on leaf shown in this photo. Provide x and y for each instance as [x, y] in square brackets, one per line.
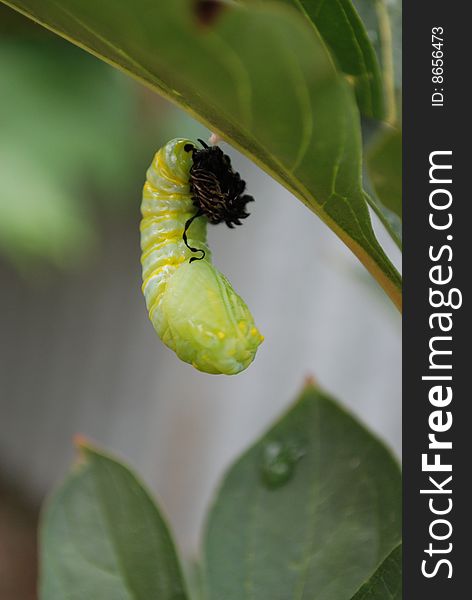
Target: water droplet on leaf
[279, 460]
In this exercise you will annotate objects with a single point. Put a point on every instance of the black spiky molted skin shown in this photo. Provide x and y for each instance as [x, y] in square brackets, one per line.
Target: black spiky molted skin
[217, 191]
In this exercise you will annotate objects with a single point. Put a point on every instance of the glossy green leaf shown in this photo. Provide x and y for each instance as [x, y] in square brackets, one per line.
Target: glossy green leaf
[310, 511]
[103, 537]
[344, 32]
[383, 22]
[261, 77]
[342, 29]
[386, 582]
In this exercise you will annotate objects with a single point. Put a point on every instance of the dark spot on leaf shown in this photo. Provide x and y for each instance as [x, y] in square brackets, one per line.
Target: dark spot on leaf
[208, 11]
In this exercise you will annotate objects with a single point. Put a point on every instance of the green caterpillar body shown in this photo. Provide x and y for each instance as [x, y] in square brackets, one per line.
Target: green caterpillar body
[192, 306]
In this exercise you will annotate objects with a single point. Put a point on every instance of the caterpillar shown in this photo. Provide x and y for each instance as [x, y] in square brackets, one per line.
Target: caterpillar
[192, 306]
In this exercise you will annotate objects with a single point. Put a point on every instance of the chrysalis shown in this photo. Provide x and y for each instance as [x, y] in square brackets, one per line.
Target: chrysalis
[192, 306]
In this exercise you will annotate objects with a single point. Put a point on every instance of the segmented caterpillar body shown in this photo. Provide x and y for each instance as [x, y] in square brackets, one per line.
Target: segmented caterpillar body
[192, 306]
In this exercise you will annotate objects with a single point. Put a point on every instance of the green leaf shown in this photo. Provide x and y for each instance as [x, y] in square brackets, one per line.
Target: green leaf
[260, 77]
[342, 29]
[386, 582]
[310, 511]
[344, 32]
[103, 537]
[383, 22]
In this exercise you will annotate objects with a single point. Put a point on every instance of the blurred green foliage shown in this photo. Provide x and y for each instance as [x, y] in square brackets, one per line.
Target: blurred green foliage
[75, 139]
[384, 164]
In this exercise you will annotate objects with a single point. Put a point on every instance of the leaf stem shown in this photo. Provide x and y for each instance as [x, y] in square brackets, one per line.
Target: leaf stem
[387, 61]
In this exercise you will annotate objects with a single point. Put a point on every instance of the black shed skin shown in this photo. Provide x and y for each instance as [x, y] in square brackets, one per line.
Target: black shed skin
[217, 191]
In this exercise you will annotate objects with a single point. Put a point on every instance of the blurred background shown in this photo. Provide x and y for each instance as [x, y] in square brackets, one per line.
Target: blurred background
[77, 352]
